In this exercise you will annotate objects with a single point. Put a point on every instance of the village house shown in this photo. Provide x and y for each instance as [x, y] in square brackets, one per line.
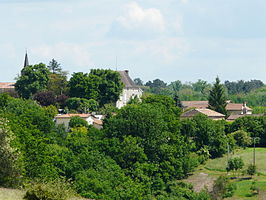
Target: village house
[232, 108]
[64, 119]
[130, 90]
[205, 111]
[7, 87]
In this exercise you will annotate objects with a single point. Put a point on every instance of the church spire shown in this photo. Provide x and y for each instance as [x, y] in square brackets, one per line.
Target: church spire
[26, 61]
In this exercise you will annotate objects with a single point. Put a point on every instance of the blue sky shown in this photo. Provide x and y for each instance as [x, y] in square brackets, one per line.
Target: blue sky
[167, 39]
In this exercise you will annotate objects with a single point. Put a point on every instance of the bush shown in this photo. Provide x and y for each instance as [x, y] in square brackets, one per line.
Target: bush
[235, 164]
[251, 170]
[222, 188]
[77, 121]
[49, 190]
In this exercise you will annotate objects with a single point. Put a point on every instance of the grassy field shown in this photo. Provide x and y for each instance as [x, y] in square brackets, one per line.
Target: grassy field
[216, 167]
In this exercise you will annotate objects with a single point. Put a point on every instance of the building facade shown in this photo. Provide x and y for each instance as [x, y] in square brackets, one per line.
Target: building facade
[130, 90]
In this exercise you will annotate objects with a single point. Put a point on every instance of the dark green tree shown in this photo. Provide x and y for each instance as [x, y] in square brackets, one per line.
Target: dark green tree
[78, 85]
[217, 99]
[104, 86]
[54, 67]
[32, 80]
[138, 81]
[77, 121]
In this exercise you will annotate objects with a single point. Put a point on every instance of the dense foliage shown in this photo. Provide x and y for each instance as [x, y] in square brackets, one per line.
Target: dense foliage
[104, 86]
[217, 99]
[32, 79]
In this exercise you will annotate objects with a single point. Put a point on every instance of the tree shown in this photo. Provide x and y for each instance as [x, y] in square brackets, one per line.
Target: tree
[77, 121]
[79, 84]
[138, 81]
[178, 101]
[82, 105]
[242, 138]
[10, 171]
[57, 83]
[217, 99]
[200, 86]
[104, 86]
[45, 98]
[107, 84]
[32, 80]
[54, 67]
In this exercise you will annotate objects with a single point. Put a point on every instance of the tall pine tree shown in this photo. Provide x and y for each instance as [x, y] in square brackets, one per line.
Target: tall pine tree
[217, 99]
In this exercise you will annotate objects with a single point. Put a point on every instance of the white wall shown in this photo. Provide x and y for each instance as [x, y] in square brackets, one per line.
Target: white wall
[126, 95]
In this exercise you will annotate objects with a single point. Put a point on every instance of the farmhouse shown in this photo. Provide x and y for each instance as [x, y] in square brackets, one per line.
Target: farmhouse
[91, 119]
[130, 90]
[7, 87]
[205, 111]
[232, 108]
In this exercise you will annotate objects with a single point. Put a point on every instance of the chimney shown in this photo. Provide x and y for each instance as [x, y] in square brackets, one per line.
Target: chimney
[126, 71]
[244, 108]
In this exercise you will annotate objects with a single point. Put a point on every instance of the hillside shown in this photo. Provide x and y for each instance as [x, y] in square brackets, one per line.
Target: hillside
[206, 174]
[14, 194]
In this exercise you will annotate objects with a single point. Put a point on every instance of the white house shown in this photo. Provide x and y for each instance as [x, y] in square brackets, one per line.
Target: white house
[65, 119]
[131, 90]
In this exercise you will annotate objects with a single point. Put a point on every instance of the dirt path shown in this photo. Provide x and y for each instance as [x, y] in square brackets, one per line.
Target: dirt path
[201, 180]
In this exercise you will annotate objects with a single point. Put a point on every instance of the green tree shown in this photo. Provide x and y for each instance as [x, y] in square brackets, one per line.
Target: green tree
[10, 161]
[217, 99]
[138, 81]
[32, 80]
[57, 83]
[54, 67]
[78, 85]
[77, 121]
[82, 105]
[104, 86]
[242, 138]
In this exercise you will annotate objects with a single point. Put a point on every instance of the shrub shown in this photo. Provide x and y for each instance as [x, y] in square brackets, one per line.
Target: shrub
[77, 121]
[254, 189]
[234, 164]
[49, 190]
[222, 188]
[251, 170]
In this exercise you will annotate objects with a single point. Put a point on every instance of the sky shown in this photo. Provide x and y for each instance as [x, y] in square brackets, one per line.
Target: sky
[172, 40]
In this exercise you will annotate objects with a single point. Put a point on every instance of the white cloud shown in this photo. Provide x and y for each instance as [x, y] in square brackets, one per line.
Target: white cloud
[184, 1]
[74, 54]
[137, 17]
[138, 22]
[166, 50]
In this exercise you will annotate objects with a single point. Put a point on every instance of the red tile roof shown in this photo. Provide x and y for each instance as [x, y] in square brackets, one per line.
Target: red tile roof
[236, 106]
[97, 121]
[7, 85]
[205, 104]
[73, 115]
[195, 104]
[205, 111]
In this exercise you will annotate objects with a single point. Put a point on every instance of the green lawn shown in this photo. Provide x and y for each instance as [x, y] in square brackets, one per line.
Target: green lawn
[216, 167]
[246, 155]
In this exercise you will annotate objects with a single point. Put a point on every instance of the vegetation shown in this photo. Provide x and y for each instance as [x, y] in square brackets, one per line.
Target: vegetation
[143, 151]
[217, 99]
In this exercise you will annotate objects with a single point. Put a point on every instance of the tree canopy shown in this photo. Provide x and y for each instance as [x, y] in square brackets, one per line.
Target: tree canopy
[217, 99]
[33, 78]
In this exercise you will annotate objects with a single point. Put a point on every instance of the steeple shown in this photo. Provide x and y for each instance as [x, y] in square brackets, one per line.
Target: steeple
[26, 61]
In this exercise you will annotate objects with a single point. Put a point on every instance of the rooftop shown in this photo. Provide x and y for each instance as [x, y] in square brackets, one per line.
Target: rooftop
[73, 115]
[7, 85]
[205, 111]
[127, 80]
